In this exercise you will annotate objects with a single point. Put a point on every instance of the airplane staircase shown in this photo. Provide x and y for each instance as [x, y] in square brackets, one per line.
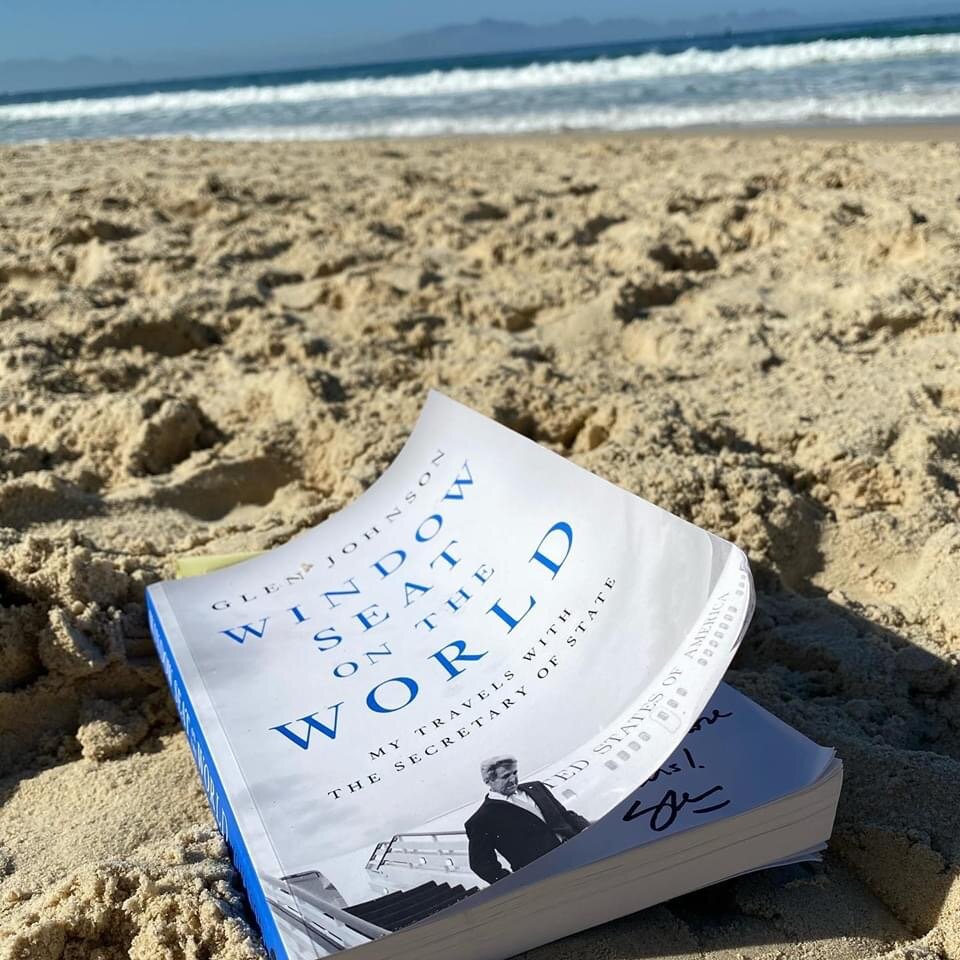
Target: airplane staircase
[403, 907]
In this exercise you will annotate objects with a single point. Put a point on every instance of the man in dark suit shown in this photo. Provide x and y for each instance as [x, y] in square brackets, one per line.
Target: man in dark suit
[520, 821]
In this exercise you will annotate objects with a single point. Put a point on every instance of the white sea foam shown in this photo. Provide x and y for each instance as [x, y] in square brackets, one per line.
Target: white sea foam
[857, 109]
[649, 66]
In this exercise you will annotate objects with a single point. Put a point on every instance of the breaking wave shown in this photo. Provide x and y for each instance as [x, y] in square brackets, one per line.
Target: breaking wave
[862, 109]
[543, 76]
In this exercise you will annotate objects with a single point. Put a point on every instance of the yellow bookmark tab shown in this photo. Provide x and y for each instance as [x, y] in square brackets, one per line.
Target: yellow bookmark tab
[194, 566]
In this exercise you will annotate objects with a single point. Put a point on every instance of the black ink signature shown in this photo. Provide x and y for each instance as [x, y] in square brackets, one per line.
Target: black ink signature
[709, 721]
[664, 813]
[674, 767]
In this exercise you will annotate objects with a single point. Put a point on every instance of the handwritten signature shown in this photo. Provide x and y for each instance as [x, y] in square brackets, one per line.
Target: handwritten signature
[710, 720]
[665, 813]
[674, 767]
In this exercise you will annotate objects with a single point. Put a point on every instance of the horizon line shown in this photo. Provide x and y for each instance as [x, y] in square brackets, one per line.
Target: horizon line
[10, 97]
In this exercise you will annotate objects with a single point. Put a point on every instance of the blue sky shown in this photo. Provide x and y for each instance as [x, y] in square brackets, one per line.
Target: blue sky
[171, 29]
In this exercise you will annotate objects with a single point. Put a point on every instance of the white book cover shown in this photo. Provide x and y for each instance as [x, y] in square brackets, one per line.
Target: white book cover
[450, 682]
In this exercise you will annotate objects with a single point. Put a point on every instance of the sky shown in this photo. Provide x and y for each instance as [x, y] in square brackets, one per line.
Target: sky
[150, 30]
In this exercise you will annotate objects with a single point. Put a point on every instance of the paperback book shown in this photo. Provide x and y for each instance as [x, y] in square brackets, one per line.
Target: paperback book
[481, 708]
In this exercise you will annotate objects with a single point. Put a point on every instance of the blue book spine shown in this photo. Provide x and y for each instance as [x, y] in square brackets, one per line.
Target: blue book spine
[216, 795]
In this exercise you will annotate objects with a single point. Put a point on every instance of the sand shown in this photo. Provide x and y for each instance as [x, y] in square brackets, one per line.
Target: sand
[209, 347]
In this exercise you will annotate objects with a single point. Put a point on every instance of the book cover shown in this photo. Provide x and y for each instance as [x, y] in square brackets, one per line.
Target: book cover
[448, 685]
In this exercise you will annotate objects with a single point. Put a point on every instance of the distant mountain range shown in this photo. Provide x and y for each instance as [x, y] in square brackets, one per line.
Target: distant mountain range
[503, 36]
[454, 40]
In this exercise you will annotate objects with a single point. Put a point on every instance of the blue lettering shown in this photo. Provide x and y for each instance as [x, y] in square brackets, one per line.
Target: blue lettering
[554, 565]
[412, 689]
[448, 664]
[312, 724]
[371, 616]
[327, 639]
[413, 591]
[439, 522]
[340, 593]
[246, 628]
[384, 572]
[508, 618]
[459, 484]
[297, 614]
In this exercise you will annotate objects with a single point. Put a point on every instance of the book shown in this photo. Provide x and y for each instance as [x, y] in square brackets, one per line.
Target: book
[481, 708]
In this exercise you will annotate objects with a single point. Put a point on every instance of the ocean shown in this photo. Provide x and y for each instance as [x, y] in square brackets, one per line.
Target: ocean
[894, 71]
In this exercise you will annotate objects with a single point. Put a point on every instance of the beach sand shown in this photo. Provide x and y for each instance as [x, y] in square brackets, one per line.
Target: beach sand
[209, 347]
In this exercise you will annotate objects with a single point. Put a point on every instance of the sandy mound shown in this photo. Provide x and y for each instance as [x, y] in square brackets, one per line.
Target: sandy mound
[210, 347]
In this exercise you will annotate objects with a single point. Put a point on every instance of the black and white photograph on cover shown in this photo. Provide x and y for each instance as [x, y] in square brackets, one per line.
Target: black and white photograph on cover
[735, 758]
[516, 822]
[415, 874]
